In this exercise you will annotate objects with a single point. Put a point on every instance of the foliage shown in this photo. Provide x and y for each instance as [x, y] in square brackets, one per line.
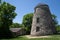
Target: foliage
[7, 14]
[54, 19]
[0, 1]
[27, 21]
[16, 25]
[58, 28]
[56, 23]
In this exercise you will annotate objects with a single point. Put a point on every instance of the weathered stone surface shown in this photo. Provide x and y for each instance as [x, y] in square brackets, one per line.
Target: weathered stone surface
[42, 21]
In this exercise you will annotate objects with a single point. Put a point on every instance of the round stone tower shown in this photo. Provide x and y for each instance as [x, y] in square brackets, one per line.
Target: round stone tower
[42, 21]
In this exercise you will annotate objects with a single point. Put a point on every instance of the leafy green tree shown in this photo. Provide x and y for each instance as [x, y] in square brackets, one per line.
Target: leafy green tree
[58, 28]
[0, 1]
[7, 14]
[54, 19]
[27, 21]
[16, 25]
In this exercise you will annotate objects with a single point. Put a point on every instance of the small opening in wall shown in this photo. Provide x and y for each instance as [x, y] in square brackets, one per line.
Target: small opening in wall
[37, 29]
[37, 20]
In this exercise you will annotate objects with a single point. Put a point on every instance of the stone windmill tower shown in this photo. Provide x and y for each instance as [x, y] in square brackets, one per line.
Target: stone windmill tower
[42, 21]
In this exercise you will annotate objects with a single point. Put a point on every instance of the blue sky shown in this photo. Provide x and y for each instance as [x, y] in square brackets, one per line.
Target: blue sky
[27, 6]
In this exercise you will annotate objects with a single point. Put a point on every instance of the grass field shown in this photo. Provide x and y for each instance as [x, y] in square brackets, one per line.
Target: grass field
[53, 37]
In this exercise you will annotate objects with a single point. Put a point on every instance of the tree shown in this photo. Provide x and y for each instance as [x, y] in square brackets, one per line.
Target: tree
[54, 19]
[27, 21]
[16, 25]
[0, 1]
[58, 28]
[7, 14]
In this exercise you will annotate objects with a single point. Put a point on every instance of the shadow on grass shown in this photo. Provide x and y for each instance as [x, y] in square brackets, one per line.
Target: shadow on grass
[17, 37]
[12, 37]
[5, 37]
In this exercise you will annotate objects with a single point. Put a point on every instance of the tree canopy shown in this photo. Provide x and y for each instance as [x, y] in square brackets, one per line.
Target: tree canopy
[16, 25]
[54, 19]
[27, 21]
[7, 14]
[0, 1]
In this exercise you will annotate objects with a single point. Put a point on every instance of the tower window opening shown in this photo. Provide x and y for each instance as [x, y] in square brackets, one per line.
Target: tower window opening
[37, 29]
[37, 20]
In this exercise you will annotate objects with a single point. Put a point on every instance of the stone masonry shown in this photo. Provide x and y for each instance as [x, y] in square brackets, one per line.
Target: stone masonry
[42, 21]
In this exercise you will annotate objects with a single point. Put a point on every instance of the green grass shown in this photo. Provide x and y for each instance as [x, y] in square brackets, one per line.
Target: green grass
[53, 37]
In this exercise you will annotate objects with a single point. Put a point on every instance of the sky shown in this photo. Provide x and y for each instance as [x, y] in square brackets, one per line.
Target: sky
[27, 6]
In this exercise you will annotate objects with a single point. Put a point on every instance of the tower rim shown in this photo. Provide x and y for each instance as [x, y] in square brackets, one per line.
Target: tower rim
[41, 5]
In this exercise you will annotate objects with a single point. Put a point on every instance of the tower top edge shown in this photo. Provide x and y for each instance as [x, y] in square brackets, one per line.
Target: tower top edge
[41, 5]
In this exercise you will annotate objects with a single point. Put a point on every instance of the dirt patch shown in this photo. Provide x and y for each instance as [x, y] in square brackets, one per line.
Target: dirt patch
[29, 36]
